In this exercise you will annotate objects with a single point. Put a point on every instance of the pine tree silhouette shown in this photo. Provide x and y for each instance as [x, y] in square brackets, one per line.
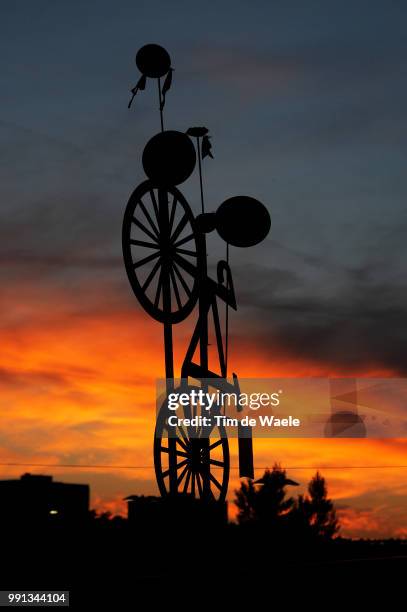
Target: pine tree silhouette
[321, 512]
[268, 502]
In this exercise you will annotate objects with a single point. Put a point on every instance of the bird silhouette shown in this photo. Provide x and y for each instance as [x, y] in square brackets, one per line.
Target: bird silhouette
[141, 85]
[206, 147]
[286, 481]
[166, 87]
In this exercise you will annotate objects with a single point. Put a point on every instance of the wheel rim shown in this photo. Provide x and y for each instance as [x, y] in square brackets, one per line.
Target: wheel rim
[161, 253]
[194, 447]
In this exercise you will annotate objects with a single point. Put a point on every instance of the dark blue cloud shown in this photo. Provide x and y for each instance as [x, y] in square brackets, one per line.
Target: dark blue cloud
[306, 104]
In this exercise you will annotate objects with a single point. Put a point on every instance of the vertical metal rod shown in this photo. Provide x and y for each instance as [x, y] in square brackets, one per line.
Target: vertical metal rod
[168, 346]
[200, 174]
[227, 316]
[169, 375]
[159, 102]
[204, 362]
[169, 359]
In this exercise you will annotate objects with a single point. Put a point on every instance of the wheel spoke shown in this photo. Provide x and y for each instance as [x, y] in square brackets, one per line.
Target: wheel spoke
[165, 449]
[175, 286]
[172, 213]
[144, 229]
[210, 493]
[182, 280]
[182, 444]
[151, 275]
[186, 265]
[145, 260]
[215, 462]
[209, 490]
[215, 444]
[184, 436]
[186, 483]
[154, 201]
[181, 476]
[215, 482]
[149, 219]
[142, 243]
[184, 240]
[180, 227]
[200, 489]
[179, 465]
[158, 292]
[187, 252]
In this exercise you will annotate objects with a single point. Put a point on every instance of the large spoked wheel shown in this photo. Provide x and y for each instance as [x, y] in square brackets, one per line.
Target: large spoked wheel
[161, 252]
[201, 453]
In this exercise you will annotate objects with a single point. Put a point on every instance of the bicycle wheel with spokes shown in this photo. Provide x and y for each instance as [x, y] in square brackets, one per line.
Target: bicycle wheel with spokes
[160, 250]
[200, 452]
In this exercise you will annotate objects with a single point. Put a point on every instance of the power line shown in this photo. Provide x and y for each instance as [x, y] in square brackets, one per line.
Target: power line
[232, 467]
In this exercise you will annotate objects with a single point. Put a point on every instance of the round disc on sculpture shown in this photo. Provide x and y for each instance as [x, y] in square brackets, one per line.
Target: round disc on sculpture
[242, 221]
[153, 61]
[169, 158]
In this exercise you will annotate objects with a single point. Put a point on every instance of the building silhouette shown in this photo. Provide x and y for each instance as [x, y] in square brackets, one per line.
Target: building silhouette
[184, 511]
[39, 500]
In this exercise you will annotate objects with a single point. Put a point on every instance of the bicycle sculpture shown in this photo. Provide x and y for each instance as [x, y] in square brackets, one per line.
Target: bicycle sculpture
[165, 256]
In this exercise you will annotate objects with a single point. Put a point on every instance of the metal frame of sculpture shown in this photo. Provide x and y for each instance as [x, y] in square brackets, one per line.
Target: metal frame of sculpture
[165, 256]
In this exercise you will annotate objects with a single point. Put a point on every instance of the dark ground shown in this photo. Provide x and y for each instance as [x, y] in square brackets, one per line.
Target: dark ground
[113, 566]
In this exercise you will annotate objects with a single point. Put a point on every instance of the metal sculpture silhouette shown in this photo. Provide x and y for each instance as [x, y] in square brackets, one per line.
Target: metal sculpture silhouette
[165, 256]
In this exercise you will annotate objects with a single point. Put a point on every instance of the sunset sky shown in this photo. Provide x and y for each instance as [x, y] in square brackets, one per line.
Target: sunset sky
[306, 104]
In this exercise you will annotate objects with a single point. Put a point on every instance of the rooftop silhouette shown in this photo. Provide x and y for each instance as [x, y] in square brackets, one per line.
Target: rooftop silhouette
[38, 499]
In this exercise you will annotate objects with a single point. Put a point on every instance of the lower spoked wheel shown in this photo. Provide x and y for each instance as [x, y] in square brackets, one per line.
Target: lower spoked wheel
[201, 454]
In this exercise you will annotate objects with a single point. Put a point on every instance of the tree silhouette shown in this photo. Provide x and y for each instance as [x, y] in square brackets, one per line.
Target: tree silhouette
[321, 513]
[267, 503]
[314, 514]
[246, 502]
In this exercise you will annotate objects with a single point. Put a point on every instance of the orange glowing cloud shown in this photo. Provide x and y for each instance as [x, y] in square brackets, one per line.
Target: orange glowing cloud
[78, 389]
